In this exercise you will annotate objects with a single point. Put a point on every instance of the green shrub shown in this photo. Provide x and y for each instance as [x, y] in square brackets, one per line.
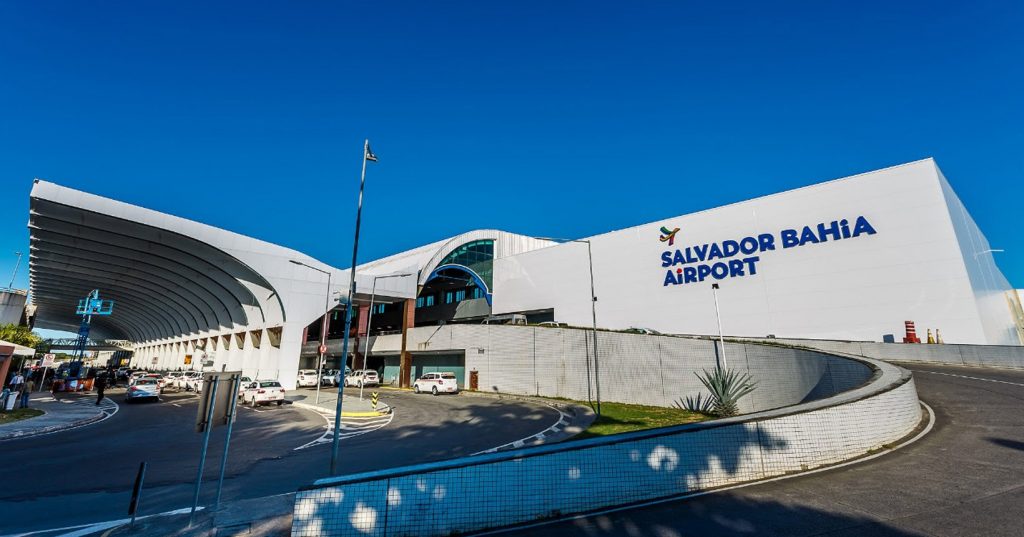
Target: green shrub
[727, 387]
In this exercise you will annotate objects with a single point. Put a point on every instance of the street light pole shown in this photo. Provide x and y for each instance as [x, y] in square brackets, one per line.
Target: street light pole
[369, 320]
[367, 155]
[322, 351]
[718, 315]
[593, 313]
[15, 273]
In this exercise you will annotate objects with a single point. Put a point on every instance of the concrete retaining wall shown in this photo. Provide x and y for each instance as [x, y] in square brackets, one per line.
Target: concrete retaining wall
[630, 368]
[502, 489]
[966, 355]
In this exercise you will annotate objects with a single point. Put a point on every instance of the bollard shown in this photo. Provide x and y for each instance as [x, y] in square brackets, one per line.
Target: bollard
[911, 336]
[133, 505]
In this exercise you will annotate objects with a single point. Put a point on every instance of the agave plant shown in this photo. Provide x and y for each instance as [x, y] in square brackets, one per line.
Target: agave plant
[700, 403]
[727, 387]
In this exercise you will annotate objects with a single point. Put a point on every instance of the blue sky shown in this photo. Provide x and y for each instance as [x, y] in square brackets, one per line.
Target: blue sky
[564, 119]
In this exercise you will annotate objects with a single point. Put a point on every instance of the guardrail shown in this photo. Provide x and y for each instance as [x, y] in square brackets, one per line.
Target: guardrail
[508, 488]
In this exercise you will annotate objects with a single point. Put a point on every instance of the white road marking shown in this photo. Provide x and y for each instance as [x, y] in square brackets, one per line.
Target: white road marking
[87, 529]
[538, 438]
[967, 377]
[350, 427]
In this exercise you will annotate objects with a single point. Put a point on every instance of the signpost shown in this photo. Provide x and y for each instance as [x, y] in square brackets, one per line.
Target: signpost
[217, 404]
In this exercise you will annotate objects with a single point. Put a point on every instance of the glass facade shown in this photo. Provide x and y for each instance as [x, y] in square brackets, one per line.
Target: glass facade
[478, 256]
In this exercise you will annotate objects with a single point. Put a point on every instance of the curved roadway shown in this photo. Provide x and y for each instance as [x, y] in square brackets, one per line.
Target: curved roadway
[966, 477]
[85, 475]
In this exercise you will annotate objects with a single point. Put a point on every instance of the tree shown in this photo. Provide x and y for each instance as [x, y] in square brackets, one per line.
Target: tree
[19, 335]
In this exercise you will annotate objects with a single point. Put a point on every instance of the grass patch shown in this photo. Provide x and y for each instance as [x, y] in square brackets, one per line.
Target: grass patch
[12, 416]
[622, 418]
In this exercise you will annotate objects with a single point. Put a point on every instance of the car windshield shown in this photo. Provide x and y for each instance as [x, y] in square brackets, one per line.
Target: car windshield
[270, 384]
[144, 382]
[448, 376]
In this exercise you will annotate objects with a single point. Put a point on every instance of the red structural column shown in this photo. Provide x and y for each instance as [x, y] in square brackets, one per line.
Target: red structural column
[405, 360]
[359, 361]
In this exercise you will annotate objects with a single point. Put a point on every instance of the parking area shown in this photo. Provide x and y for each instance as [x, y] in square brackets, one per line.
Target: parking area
[73, 472]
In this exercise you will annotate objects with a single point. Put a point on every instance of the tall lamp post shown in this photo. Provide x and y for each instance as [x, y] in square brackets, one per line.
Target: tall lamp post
[15, 273]
[593, 314]
[369, 320]
[322, 351]
[367, 156]
[718, 315]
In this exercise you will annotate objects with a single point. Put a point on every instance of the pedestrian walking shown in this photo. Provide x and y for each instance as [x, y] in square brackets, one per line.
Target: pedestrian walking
[26, 390]
[101, 384]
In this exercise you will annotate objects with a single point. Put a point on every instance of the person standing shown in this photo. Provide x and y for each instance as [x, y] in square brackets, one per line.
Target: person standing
[101, 385]
[16, 382]
[26, 389]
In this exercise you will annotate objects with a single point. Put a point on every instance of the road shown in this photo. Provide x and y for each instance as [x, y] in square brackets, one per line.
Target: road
[85, 475]
[965, 478]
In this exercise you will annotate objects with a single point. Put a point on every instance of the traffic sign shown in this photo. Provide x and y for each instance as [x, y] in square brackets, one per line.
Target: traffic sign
[323, 349]
[373, 398]
[48, 360]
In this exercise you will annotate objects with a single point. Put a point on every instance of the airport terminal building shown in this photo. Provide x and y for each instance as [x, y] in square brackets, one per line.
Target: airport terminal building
[850, 259]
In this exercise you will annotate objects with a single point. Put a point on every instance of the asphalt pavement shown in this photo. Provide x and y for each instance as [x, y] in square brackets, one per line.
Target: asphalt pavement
[85, 475]
[964, 478]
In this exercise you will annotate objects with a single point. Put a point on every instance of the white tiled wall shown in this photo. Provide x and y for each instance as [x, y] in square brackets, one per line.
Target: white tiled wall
[499, 490]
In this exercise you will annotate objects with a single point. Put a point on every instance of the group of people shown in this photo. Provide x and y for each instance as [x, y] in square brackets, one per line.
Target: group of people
[21, 386]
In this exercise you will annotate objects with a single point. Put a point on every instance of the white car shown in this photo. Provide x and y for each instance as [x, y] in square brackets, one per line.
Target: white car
[436, 383]
[263, 391]
[190, 380]
[362, 377]
[143, 388]
[243, 383]
[307, 377]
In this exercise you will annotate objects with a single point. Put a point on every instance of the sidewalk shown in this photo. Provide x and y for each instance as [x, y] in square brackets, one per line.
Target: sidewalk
[67, 411]
[269, 516]
[351, 407]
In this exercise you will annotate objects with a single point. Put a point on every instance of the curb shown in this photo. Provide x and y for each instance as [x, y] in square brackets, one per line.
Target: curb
[372, 414]
[52, 428]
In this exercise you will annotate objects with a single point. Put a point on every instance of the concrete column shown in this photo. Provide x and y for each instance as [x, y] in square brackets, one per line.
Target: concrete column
[405, 359]
[364, 317]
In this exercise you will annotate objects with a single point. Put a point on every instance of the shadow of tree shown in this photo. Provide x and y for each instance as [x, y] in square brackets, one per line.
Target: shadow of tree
[509, 488]
[723, 514]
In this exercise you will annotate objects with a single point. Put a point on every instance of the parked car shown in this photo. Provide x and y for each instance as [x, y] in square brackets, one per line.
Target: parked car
[243, 383]
[329, 377]
[190, 380]
[553, 324]
[170, 382]
[263, 391]
[337, 375]
[362, 377]
[307, 377]
[143, 388]
[435, 383]
[641, 330]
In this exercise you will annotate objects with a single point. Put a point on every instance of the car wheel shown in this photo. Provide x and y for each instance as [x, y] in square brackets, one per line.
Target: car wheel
[434, 390]
[279, 403]
[415, 388]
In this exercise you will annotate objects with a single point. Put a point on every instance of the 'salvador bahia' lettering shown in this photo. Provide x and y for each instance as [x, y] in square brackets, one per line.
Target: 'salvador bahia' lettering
[696, 263]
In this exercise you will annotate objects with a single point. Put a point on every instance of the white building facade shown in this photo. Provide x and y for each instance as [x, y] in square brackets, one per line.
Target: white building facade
[851, 258]
[847, 259]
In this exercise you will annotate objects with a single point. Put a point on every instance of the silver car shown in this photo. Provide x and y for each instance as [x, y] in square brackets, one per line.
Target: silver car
[144, 389]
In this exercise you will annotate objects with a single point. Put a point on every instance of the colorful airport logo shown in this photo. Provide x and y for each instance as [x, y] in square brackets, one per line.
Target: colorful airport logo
[668, 235]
